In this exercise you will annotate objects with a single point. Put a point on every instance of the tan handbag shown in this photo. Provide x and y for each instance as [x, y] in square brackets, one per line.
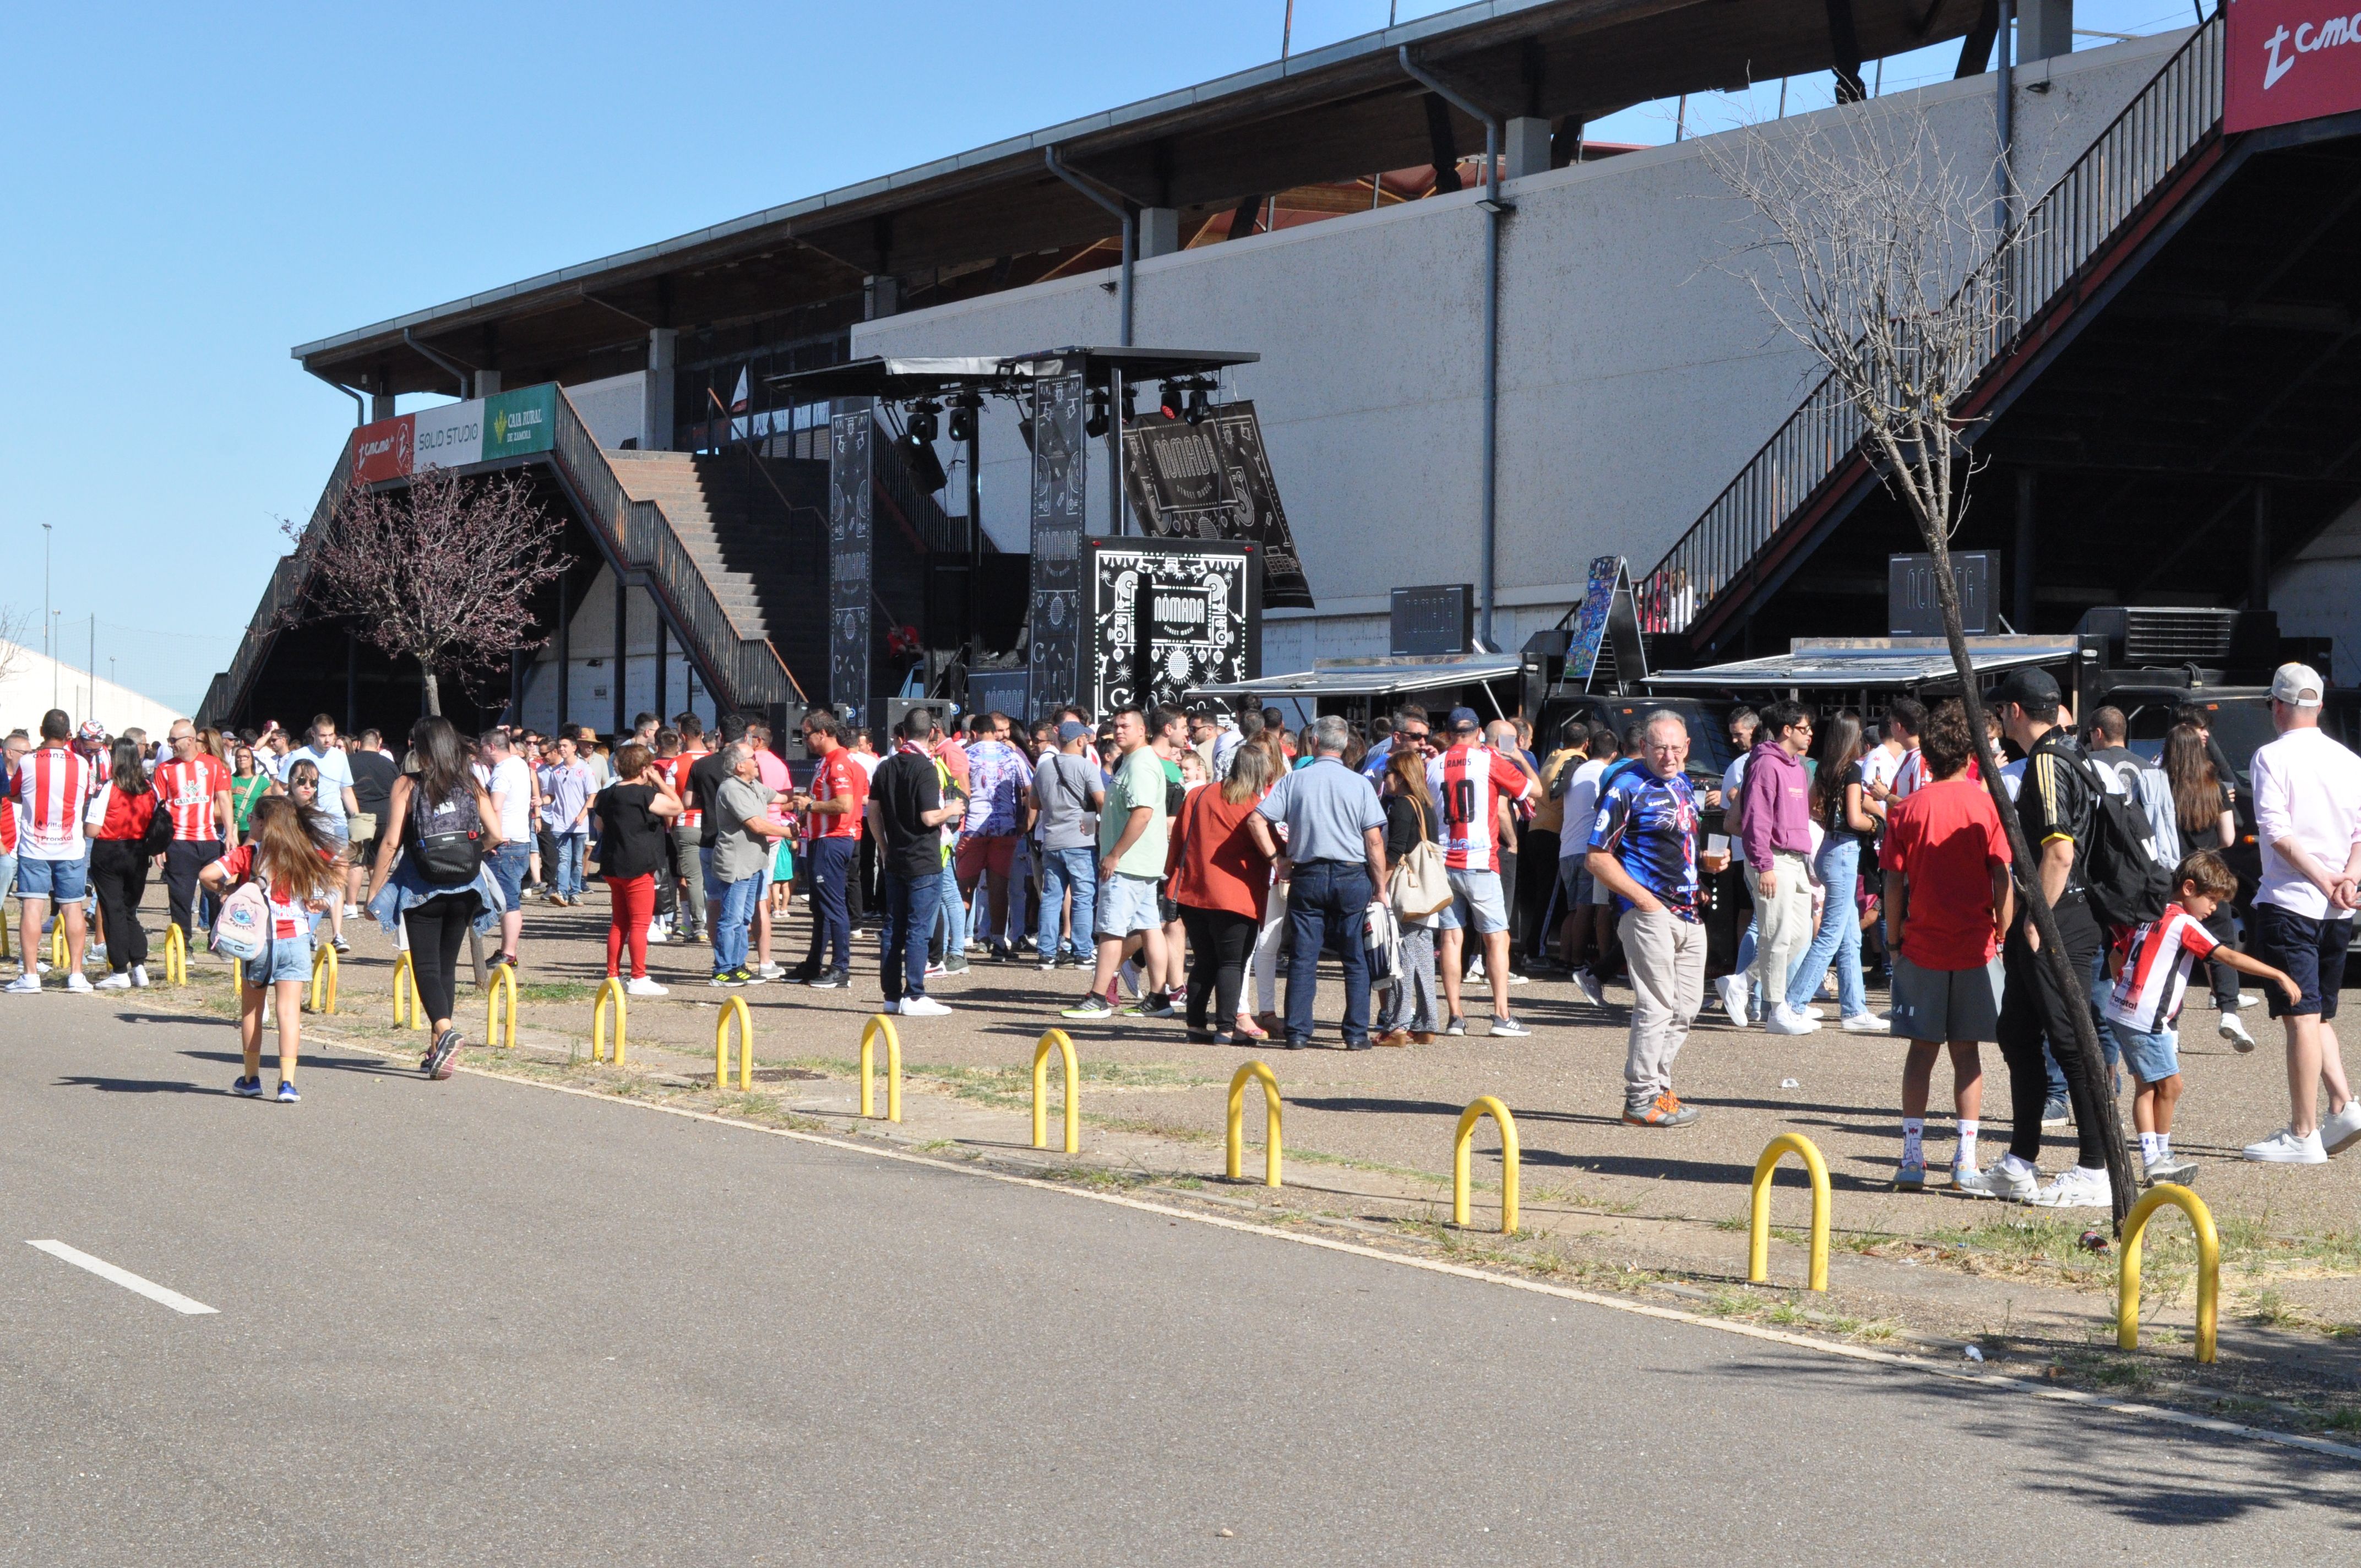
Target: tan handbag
[1420, 884]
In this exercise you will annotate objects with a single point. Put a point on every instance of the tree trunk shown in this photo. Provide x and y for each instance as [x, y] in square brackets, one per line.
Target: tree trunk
[434, 689]
[2085, 1040]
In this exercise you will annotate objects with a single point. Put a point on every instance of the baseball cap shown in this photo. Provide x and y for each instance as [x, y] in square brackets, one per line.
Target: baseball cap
[2298, 685]
[92, 730]
[1464, 718]
[1070, 731]
[2028, 688]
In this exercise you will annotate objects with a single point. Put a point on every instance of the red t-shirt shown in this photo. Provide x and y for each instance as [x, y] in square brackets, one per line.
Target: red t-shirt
[1212, 860]
[676, 773]
[127, 816]
[840, 777]
[187, 790]
[1946, 838]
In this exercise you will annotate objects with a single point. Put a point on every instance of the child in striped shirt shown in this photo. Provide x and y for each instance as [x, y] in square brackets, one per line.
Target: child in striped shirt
[2150, 967]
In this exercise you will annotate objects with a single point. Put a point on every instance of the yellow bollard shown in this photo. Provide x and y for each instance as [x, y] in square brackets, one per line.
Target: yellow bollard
[58, 953]
[176, 954]
[610, 992]
[1065, 1047]
[1758, 1245]
[409, 1001]
[1482, 1106]
[1261, 1074]
[323, 977]
[735, 1008]
[882, 1025]
[500, 1021]
[2209, 1266]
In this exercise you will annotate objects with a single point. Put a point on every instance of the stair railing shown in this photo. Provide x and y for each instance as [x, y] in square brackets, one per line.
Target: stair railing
[2165, 125]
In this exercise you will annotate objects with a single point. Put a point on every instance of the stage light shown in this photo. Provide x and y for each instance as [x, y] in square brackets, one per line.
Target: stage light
[1094, 424]
[963, 413]
[922, 423]
[1197, 407]
[917, 446]
[1174, 392]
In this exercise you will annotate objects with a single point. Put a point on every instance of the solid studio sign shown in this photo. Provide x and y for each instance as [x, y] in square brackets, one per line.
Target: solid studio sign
[2285, 61]
[481, 430]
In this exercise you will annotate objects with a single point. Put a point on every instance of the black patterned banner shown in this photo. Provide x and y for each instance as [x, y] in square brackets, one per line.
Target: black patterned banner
[1169, 615]
[1059, 472]
[1213, 481]
[849, 591]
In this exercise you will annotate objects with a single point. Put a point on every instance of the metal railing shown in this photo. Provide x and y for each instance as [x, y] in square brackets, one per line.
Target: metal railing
[939, 531]
[2166, 123]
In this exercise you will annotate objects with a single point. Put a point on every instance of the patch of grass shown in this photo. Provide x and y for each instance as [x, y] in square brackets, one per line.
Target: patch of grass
[556, 990]
[2346, 1419]
[1188, 1183]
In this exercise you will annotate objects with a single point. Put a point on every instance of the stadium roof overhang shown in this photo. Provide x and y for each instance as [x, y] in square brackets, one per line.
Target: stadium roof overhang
[1338, 113]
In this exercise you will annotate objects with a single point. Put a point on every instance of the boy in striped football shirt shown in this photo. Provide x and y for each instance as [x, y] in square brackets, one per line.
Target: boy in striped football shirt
[2151, 967]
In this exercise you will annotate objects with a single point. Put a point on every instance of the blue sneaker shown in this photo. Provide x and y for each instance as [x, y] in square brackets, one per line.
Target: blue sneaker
[1912, 1176]
[246, 1088]
[286, 1095]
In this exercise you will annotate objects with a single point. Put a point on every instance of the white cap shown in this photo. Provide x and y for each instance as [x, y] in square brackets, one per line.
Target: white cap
[2298, 685]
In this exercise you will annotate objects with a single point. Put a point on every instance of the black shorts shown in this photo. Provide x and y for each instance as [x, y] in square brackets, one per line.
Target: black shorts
[2311, 951]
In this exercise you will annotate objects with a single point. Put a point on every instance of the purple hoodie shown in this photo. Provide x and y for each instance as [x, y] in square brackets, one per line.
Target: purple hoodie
[1778, 804]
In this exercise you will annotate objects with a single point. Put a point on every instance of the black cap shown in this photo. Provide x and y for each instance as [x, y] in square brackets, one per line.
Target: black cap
[2029, 689]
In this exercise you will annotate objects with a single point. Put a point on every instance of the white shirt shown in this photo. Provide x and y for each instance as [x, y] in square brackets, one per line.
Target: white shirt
[2012, 775]
[1581, 809]
[1880, 764]
[1733, 787]
[510, 786]
[2307, 788]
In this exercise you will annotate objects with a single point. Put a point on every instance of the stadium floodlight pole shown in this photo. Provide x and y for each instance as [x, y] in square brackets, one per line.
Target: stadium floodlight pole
[1494, 211]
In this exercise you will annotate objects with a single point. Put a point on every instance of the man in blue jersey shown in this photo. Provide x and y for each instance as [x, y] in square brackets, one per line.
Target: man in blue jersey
[1643, 851]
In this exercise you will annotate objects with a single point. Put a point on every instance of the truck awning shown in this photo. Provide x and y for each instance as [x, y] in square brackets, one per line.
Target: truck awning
[1373, 678]
[1866, 661]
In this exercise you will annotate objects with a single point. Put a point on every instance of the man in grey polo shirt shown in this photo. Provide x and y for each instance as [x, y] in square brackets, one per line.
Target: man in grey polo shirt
[1334, 862]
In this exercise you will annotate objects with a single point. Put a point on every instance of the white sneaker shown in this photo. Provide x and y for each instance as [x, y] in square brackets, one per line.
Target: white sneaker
[923, 1007]
[2007, 1184]
[96, 953]
[114, 982]
[1732, 988]
[2234, 1029]
[1516, 978]
[1786, 1020]
[643, 986]
[1592, 992]
[139, 976]
[659, 935]
[1815, 1014]
[1973, 1183]
[2283, 1147]
[352, 911]
[79, 981]
[2250, 999]
[772, 971]
[41, 965]
[1864, 1024]
[25, 985]
[1476, 969]
[2077, 1189]
[2343, 1130]
[1128, 973]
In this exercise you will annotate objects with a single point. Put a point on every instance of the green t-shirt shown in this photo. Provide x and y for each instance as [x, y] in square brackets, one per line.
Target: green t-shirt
[1138, 781]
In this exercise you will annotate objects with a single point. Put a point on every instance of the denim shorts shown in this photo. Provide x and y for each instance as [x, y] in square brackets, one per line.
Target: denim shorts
[2152, 1057]
[508, 865]
[286, 958]
[1128, 903]
[64, 880]
[1476, 901]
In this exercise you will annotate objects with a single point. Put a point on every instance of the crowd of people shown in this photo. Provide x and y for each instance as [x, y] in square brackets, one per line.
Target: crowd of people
[1184, 858]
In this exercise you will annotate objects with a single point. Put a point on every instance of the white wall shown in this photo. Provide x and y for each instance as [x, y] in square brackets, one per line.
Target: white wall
[2319, 593]
[590, 697]
[31, 684]
[615, 408]
[1636, 378]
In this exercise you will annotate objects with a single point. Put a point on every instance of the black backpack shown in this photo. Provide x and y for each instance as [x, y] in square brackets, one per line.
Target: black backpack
[2126, 884]
[449, 840]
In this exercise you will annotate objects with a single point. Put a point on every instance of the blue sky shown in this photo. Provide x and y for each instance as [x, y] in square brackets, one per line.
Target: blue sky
[191, 191]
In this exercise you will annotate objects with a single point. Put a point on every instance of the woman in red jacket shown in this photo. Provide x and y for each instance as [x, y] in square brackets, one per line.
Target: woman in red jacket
[1221, 881]
[118, 870]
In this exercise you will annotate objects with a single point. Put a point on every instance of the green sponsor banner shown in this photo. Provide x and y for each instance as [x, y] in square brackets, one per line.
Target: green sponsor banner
[519, 422]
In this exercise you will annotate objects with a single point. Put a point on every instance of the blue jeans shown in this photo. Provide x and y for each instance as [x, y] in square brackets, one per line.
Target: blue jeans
[831, 861]
[909, 920]
[1326, 902]
[738, 901]
[1840, 936]
[951, 914]
[1061, 869]
[569, 861]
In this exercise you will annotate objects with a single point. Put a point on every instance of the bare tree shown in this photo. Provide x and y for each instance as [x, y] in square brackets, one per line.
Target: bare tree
[439, 573]
[1888, 255]
[16, 625]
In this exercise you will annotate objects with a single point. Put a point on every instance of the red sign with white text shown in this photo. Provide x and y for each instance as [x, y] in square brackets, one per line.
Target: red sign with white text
[381, 451]
[2289, 60]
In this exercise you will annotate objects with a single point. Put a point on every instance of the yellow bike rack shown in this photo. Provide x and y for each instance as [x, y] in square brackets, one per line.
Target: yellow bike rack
[409, 1001]
[1482, 1106]
[882, 1025]
[1065, 1048]
[323, 977]
[500, 1021]
[1758, 1242]
[2209, 1266]
[58, 953]
[610, 991]
[732, 1010]
[176, 954]
[1258, 1072]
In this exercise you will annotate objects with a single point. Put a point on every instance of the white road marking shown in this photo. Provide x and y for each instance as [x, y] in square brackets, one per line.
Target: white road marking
[125, 1277]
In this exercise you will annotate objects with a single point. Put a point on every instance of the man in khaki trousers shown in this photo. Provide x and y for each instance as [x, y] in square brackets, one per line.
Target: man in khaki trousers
[1643, 851]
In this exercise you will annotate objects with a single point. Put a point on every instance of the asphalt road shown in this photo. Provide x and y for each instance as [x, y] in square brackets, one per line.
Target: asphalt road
[477, 1322]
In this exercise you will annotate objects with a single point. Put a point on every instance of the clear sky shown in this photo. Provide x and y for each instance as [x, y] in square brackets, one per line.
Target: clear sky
[190, 191]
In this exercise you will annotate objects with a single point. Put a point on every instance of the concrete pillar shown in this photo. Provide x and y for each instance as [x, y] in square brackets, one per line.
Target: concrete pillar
[1159, 231]
[380, 406]
[881, 296]
[2044, 27]
[1527, 148]
[655, 419]
[487, 383]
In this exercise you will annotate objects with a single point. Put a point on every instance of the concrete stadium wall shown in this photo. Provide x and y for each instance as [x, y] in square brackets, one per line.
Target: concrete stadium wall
[1636, 377]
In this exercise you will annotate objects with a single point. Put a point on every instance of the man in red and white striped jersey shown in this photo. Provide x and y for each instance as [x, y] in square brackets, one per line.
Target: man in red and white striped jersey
[54, 787]
[1471, 783]
[194, 787]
